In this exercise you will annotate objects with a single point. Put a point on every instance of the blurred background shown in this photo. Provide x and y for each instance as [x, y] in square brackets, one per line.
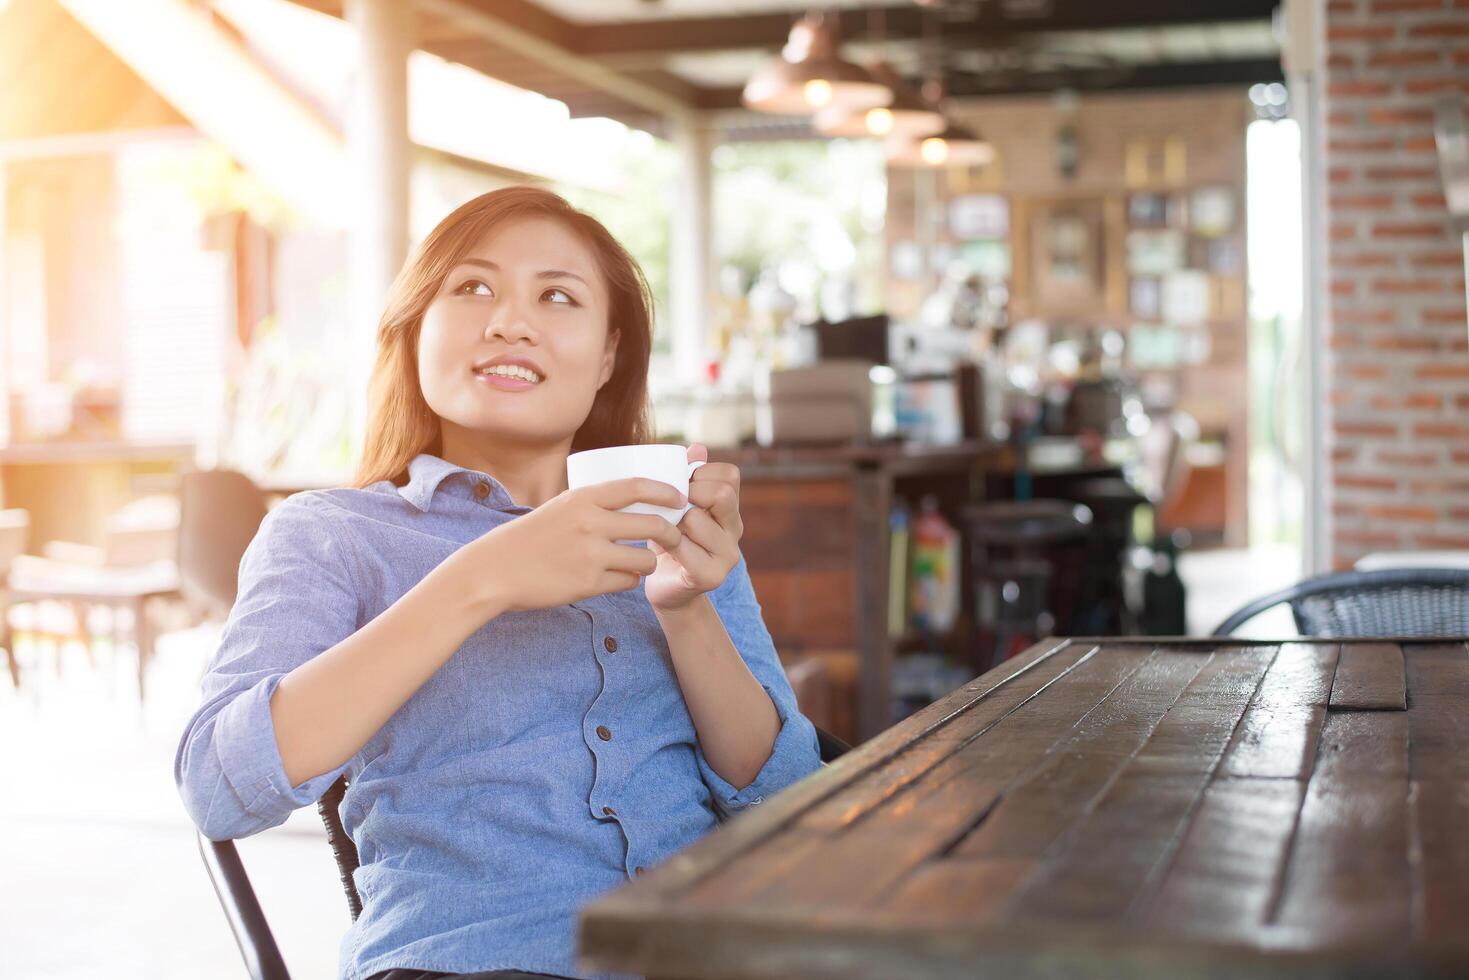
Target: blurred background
[1021, 317]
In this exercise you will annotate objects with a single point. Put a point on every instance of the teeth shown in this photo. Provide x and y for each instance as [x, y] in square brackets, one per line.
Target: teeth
[512, 371]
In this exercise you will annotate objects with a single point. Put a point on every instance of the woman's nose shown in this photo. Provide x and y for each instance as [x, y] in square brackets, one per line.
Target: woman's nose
[510, 323]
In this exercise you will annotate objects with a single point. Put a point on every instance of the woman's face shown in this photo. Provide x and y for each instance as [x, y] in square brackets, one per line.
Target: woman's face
[529, 296]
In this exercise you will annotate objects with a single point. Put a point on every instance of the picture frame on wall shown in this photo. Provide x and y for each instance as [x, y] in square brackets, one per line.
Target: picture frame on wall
[1212, 211]
[1155, 252]
[1147, 210]
[1065, 256]
[1145, 297]
[979, 216]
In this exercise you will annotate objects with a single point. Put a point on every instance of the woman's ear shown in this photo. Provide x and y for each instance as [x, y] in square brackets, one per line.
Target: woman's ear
[609, 359]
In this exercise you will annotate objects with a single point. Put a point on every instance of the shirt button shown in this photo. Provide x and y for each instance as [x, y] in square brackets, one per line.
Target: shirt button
[481, 490]
[607, 811]
[638, 870]
[610, 644]
[604, 733]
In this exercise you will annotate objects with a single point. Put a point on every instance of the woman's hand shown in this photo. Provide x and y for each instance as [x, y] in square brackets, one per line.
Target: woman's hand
[566, 549]
[711, 538]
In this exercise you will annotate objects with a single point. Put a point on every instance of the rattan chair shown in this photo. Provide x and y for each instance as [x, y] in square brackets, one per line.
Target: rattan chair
[247, 921]
[1426, 602]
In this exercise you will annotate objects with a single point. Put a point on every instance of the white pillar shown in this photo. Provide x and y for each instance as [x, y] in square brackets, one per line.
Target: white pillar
[380, 153]
[1302, 58]
[691, 249]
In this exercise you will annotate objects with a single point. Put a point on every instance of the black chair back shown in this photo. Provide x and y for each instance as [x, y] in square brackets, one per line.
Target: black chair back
[1398, 602]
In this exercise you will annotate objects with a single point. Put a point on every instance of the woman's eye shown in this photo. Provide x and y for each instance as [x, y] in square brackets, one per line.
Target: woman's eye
[472, 287]
[565, 297]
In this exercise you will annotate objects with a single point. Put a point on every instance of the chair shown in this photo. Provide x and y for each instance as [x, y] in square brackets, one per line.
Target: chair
[1425, 602]
[220, 511]
[131, 571]
[247, 920]
[1025, 561]
[15, 529]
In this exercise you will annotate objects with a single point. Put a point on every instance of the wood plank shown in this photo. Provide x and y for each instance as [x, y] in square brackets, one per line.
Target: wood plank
[858, 866]
[1370, 676]
[1441, 870]
[1064, 785]
[1102, 867]
[1438, 716]
[871, 835]
[1438, 761]
[894, 777]
[877, 836]
[1437, 669]
[1365, 744]
[1348, 877]
[956, 891]
[1274, 744]
[1122, 847]
[1223, 882]
[1301, 675]
[1197, 730]
[1438, 748]
[1278, 736]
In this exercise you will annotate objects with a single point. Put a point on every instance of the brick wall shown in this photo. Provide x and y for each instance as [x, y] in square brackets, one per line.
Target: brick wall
[1398, 364]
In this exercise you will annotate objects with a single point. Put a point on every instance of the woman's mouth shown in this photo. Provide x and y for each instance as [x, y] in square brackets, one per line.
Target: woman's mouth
[508, 377]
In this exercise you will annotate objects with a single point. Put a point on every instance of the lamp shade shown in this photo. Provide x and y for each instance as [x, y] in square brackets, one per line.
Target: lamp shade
[908, 115]
[955, 146]
[811, 75]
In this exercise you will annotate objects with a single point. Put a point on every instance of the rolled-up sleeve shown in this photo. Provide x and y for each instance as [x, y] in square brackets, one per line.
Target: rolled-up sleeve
[296, 598]
[795, 753]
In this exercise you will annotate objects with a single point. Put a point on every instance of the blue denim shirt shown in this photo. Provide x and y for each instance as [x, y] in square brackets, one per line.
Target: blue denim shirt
[547, 762]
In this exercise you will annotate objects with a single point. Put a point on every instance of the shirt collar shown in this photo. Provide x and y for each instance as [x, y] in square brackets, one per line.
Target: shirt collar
[426, 472]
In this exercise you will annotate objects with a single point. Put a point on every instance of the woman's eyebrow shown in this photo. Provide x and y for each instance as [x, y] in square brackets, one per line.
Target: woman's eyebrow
[543, 274]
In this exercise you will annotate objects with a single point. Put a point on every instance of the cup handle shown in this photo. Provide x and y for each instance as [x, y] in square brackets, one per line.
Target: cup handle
[688, 506]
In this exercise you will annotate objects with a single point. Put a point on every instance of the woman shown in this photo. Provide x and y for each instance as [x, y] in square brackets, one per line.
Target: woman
[529, 712]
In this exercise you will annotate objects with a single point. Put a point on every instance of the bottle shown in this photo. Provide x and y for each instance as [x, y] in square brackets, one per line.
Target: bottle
[935, 592]
[898, 564]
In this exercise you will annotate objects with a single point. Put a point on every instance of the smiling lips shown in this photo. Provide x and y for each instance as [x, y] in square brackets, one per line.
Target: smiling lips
[508, 374]
[509, 371]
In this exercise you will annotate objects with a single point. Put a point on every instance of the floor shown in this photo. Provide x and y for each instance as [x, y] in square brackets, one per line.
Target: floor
[102, 875]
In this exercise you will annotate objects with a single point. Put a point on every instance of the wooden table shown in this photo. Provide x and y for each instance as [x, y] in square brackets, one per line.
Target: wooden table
[1102, 809]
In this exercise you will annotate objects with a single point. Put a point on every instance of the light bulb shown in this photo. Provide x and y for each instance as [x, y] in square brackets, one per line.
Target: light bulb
[933, 150]
[879, 121]
[817, 92]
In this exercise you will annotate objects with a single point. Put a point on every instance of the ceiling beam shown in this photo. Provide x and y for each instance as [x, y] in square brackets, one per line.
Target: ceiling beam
[989, 21]
[1123, 78]
[535, 34]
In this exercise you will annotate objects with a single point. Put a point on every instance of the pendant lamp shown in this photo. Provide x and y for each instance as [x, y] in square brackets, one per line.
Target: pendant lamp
[811, 75]
[955, 146]
[908, 115]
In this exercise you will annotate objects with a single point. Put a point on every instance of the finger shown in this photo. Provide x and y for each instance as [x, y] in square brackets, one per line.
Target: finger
[618, 581]
[698, 453]
[700, 567]
[717, 473]
[627, 558]
[704, 532]
[617, 494]
[722, 502]
[643, 527]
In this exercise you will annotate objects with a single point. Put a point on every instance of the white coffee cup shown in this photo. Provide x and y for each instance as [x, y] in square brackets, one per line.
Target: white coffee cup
[664, 463]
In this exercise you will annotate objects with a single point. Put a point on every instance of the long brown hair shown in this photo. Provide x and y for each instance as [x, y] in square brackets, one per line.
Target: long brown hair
[400, 423]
